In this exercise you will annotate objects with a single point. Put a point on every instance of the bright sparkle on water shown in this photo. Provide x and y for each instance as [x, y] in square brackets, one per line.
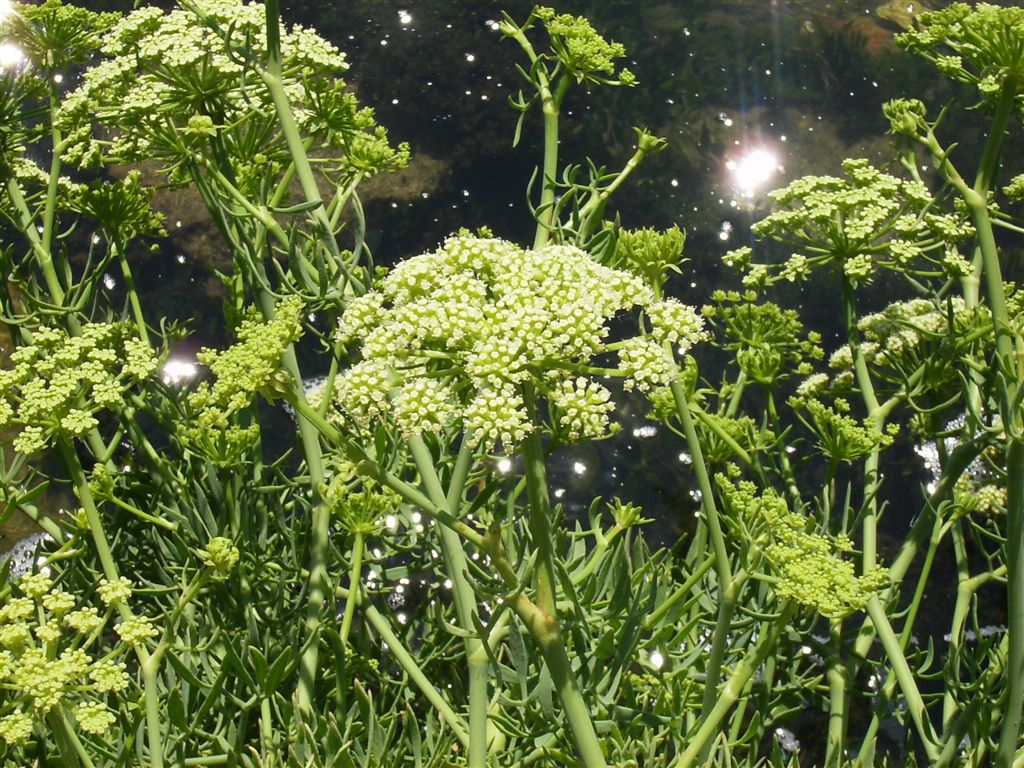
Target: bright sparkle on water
[178, 371]
[753, 170]
[11, 56]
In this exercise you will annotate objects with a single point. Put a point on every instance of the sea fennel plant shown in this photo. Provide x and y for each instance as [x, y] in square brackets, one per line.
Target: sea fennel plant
[396, 584]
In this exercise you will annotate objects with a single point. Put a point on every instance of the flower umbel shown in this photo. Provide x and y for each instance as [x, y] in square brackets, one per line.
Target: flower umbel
[455, 336]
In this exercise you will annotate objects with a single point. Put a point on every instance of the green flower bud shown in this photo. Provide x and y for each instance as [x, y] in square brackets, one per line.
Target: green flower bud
[221, 554]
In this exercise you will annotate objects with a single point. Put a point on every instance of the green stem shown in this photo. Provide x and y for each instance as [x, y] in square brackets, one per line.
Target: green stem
[61, 729]
[655, 616]
[56, 161]
[43, 257]
[551, 103]
[905, 677]
[837, 698]
[465, 599]
[730, 693]
[1009, 735]
[722, 567]
[547, 630]
[354, 585]
[273, 78]
[707, 501]
[591, 209]
[133, 296]
[382, 627]
[727, 600]
[964, 595]
[111, 573]
[869, 525]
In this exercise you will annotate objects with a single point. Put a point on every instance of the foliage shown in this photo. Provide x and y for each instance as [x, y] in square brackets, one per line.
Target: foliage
[386, 579]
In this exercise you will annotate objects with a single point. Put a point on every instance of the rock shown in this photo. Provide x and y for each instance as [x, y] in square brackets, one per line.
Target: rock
[901, 13]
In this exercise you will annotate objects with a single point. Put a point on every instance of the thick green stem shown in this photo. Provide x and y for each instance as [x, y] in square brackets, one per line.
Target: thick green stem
[1010, 733]
[61, 730]
[465, 598]
[707, 500]
[731, 692]
[964, 596]
[43, 257]
[56, 162]
[588, 745]
[551, 103]
[133, 296]
[273, 78]
[540, 524]
[354, 583]
[837, 697]
[727, 600]
[885, 694]
[714, 527]
[869, 525]
[547, 631]
[905, 677]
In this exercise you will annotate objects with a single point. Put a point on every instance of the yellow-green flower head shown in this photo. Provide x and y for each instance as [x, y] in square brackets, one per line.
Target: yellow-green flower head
[17, 609]
[113, 593]
[15, 728]
[581, 49]
[840, 436]
[46, 682]
[808, 566]
[865, 220]
[48, 633]
[35, 585]
[221, 554]
[454, 335]
[94, 718]
[84, 621]
[136, 630]
[983, 45]
[582, 408]
[14, 636]
[173, 82]
[248, 367]
[109, 676]
[58, 383]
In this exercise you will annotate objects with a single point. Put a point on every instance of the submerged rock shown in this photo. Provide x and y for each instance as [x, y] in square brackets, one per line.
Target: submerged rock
[901, 13]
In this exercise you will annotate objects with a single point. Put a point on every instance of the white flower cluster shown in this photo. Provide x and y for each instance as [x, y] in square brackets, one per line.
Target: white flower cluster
[583, 407]
[455, 335]
[676, 323]
[646, 364]
[159, 61]
[899, 332]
